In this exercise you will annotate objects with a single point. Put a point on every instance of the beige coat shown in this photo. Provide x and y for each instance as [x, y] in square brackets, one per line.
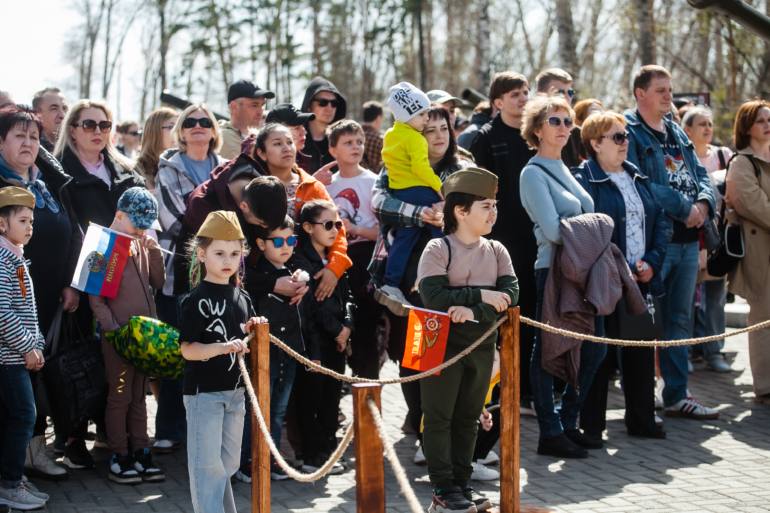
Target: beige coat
[749, 198]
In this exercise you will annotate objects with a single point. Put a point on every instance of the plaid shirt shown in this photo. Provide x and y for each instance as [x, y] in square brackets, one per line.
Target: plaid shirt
[372, 159]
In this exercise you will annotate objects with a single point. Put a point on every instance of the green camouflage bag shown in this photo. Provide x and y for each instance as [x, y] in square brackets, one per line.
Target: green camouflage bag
[150, 346]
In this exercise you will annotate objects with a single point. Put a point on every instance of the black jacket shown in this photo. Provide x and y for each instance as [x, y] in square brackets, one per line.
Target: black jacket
[318, 151]
[93, 201]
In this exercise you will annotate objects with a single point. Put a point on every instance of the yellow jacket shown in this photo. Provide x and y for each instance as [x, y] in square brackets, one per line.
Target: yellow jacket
[405, 154]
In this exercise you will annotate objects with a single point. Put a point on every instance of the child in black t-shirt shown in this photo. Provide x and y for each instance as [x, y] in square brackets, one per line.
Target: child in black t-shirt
[212, 324]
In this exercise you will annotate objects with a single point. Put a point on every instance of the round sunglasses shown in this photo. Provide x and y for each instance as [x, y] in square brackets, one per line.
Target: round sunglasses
[203, 122]
[324, 103]
[555, 122]
[278, 241]
[89, 125]
[570, 92]
[619, 137]
[329, 224]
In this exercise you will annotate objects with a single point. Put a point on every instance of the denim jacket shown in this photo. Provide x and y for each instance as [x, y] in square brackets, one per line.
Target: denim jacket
[645, 153]
[609, 200]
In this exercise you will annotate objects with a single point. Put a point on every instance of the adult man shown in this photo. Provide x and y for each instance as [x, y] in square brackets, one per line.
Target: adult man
[558, 81]
[5, 99]
[500, 148]
[482, 114]
[51, 104]
[247, 103]
[373, 140]
[662, 151]
[324, 100]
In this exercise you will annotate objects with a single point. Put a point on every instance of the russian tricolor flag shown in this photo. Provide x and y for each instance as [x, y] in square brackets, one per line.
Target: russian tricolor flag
[101, 262]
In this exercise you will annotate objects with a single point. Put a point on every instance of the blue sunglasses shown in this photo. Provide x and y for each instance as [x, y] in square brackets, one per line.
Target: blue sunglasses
[278, 241]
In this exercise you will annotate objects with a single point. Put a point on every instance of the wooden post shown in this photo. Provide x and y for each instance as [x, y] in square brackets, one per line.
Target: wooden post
[370, 470]
[260, 452]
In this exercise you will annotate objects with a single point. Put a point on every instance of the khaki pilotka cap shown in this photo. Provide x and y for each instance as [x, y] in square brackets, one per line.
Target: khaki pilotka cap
[471, 180]
[221, 225]
[16, 196]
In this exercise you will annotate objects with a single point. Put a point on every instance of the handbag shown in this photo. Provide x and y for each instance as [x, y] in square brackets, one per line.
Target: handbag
[42, 401]
[648, 326]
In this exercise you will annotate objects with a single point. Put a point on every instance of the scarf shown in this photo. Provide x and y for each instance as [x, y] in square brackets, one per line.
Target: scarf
[13, 248]
[43, 198]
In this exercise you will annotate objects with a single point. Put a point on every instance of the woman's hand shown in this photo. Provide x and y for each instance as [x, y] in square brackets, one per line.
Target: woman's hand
[500, 300]
[71, 299]
[460, 313]
[486, 420]
[645, 275]
[290, 287]
[434, 215]
[324, 175]
[325, 288]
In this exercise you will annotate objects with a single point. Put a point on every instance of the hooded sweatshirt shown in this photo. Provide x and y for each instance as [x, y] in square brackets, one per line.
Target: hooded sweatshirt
[319, 150]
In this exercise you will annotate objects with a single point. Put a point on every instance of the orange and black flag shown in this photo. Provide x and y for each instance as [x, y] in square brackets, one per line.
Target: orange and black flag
[426, 339]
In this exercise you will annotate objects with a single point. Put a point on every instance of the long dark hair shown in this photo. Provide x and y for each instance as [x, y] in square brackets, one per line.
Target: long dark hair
[451, 157]
[310, 213]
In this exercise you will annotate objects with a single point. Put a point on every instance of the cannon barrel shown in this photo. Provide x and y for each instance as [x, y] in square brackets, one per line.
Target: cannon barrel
[473, 97]
[752, 19]
[183, 103]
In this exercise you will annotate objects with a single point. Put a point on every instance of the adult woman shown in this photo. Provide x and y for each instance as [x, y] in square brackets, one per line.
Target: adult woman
[585, 108]
[748, 199]
[698, 124]
[55, 247]
[621, 192]
[129, 138]
[156, 138]
[549, 193]
[187, 164]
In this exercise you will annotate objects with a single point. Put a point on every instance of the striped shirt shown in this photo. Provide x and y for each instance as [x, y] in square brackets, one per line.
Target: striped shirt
[19, 330]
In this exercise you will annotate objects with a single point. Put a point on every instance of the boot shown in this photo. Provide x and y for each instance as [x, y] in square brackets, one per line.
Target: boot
[39, 465]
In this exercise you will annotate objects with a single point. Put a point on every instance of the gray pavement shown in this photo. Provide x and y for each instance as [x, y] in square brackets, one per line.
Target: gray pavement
[708, 466]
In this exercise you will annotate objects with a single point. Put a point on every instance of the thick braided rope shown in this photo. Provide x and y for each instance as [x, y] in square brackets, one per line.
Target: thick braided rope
[645, 343]
[390, 453]
[297, 476]
[349, 379]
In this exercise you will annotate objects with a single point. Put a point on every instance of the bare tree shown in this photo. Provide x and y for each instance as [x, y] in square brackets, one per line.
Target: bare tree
[646, 30]
[567, 48]
[482, 46]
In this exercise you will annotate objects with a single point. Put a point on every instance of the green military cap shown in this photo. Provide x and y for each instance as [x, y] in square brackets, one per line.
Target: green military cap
[221, 225]
[16, 196]
[471, 180]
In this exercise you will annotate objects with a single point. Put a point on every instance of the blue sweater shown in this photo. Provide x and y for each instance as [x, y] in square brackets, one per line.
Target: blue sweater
[546, 202]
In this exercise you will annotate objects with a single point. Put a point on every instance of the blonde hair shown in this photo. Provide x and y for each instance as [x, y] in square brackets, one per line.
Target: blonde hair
[73, 116]
[595, 126]
[152, 140]
[216, 140]
[535, 113]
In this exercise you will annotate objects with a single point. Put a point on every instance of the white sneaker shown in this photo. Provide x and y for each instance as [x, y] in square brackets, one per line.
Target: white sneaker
[491, 459]
[482, 473]
[690, 408]
[39, 465]
[31, 488]
[20, 498]
[165, 446]
[689, 367]
[419, 456]
[658, 421]
[393, 299]
[658, 403]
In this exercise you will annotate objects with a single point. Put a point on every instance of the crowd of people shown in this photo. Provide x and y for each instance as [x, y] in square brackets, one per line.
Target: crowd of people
[330, 231]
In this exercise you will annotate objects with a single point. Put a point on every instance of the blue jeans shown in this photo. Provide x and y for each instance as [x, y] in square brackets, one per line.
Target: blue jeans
[407, 236]
[278, 403]
[679, 273]
[170, 421]
[553, 421]
[214, 431]
[17, 421]
[710, 318]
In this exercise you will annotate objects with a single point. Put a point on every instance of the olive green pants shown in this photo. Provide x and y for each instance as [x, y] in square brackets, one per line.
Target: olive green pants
[451, 405]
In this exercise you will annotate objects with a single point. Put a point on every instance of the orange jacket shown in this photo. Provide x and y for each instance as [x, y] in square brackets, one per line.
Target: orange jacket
[311, 189]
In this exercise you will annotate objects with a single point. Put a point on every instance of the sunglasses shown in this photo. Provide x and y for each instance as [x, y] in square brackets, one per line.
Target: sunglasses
[555, 122]
[89, 125]
[570, 92]
[619, 137]
[324, 103]
[329, 224]
[278, 241]
[203, 122]
[133, 133]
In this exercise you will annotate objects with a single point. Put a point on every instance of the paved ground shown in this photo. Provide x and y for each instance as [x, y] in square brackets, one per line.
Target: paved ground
[714, 466]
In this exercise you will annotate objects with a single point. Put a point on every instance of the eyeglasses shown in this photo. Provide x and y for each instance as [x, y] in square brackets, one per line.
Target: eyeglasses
[89, 125]
[570, 92]
[324, 103]
[203, 122]
[290, 241]
[555, 122]
[329, 224]
[619, 137]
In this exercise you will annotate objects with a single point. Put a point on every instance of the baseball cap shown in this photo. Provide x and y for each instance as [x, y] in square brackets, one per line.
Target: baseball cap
[439, 96]
[289, 115]
[247, 89]
[141, 207]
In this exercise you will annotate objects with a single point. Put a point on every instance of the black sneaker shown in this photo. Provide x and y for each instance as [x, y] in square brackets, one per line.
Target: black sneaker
[122, 470]
[481, 502]
[277, 473]
[561, 447]
[5, 508]
[451, 498]
[583, 440]
[313, 464]
[244, 473]
[147, 469]
[76, 455]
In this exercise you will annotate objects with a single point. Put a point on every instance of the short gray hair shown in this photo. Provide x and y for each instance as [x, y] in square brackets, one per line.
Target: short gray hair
[701, 110]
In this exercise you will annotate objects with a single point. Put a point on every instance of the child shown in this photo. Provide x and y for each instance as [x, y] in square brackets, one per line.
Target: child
[21, 348]
[212, 320]
[318, 395]
[293, 324]
[126, 406]
[351, 190]
[470, 278]
[405, 154]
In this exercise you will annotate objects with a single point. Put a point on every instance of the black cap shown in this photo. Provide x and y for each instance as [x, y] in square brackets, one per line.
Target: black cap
[247, 89]
[289, 115]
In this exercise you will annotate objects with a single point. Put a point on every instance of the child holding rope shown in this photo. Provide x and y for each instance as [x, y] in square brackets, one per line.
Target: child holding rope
[212, 324]
[470, 278]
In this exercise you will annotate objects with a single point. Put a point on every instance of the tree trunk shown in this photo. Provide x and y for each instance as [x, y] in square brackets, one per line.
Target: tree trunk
[420, 44]
[733, 59]
[646, 31]
[428, 7]
[588, 55]
[763, 86]
[566, 28]
[316, 38]
[482, 46]
[719, 68]
[107, 39]
[164, 40]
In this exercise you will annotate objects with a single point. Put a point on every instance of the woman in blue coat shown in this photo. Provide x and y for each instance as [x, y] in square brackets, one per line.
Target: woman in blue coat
[623, 193]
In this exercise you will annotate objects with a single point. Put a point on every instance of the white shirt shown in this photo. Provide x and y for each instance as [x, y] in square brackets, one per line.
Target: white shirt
[353, 197]
[634, 217]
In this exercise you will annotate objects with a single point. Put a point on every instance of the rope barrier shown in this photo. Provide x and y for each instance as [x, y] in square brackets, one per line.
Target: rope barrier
[297, 476]
[390, 453]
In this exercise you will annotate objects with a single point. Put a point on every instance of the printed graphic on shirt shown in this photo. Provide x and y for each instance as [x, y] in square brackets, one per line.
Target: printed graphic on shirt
[678, 177]
[353, 197]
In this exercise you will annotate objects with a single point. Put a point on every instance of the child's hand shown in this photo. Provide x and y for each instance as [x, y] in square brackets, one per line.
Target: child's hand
[324, 175]
[251, 323]
[327, 282]
[342, 339]
[460, 313]
[486, 420]
[33, 360]
[147, 242]
[235, 346]
[500, 300]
